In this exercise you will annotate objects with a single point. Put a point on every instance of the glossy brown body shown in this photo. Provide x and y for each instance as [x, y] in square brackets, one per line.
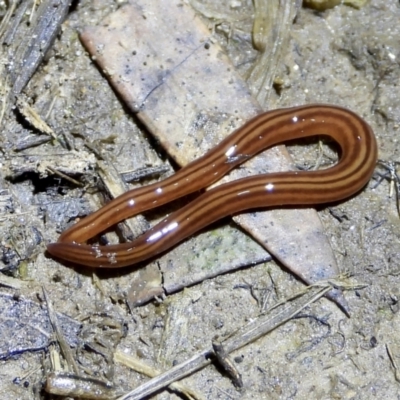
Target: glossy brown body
[354, 169]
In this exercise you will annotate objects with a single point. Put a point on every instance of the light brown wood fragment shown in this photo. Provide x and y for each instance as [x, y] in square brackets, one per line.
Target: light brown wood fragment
[165, 65]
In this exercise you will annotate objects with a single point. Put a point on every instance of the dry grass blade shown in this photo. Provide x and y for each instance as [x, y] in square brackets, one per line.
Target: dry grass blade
[271, 32]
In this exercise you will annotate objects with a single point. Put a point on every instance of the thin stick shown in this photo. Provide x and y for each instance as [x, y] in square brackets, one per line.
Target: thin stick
[142, 368]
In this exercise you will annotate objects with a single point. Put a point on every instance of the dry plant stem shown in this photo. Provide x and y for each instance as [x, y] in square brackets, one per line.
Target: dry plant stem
[116, 186]
[47, 22]
[5, 22]
[30, 142]
[275, 317]
[60, 338]
[271, 31]
[13, 283]
[64, 176]
[69, 385]
[227, 364]
[144, 369]
[144, 173]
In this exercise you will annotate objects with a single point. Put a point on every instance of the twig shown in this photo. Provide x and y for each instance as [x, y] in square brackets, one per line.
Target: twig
[62, 175]
[144, 369]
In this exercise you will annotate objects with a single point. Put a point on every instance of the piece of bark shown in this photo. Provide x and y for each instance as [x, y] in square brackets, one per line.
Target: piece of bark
[163, 62]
